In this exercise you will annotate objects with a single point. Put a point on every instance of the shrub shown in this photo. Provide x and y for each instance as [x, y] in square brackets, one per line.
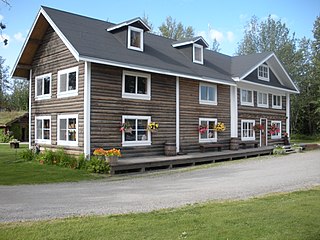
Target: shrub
[96, 165]
[28, 155]
[82, 161]
[5, 137]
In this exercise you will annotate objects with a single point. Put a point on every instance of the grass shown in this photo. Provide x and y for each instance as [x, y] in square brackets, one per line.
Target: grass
[299, 138]
[284, 216]
[14, 170]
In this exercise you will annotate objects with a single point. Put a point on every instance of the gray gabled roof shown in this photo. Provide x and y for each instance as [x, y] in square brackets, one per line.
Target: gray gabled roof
[130, 22]
[199, 40]
[88, 39]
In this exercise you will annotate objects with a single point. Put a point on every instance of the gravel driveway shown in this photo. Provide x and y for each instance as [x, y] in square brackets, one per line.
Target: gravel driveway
[233, 180]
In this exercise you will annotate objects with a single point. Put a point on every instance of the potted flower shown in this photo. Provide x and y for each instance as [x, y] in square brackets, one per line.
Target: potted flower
[14, 143]
[258, 127]
[153, 127]
[220, 127]
[100, 153]
[126, 127]
[112, 155]
[202, 128]
[274, 129]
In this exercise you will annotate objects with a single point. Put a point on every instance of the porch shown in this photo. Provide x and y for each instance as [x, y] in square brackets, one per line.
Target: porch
[152, 163]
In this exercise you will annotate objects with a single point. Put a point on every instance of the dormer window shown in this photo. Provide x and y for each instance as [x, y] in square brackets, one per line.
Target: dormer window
[263, 72]
[197, 53]
[135, 38]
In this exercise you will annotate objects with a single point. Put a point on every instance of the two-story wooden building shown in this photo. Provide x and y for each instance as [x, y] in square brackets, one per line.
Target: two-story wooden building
[87, 77]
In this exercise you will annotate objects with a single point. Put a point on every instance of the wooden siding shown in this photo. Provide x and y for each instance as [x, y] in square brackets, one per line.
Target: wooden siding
[256, 113]
[191, 111]
[52, 56]
[108, 107]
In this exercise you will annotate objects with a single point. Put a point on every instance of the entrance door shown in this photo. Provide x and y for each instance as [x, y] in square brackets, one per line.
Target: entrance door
[263, 132]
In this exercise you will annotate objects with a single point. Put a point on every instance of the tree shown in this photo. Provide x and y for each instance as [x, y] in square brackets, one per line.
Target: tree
[4, 84]
[171, 29]
[20, 95]
[3, 26]
[215, 46]
[145, 18]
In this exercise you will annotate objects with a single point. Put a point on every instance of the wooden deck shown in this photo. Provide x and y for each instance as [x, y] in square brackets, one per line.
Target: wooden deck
[144, 164]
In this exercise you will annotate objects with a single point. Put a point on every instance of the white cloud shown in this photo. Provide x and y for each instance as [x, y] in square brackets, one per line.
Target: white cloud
[230, 36]
[215, 34]
[19, 37]
[243, 17]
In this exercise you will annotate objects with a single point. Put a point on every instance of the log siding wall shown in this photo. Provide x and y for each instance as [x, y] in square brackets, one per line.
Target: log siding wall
[191, 111]
[256, 113]
[52, 56]
[108, 107]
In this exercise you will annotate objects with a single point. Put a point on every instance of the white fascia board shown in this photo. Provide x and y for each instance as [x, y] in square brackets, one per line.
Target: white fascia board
[256, 66]
[268, 87]
[127, 23]
[153, 70]
[73, 51]
[190, 42]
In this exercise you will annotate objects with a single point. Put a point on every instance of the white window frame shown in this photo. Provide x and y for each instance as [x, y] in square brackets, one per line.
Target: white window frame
[146, 96]
[194, 53]
[263, 105]
[139, 30]
[246, 138]
[208, 102]
[42, 141]
[66, 142]
[205, 140]
[275, 104]
[136, 143]
[247, 103]
[277, 135]
[42, 96]
[68, 93]
[264, 69]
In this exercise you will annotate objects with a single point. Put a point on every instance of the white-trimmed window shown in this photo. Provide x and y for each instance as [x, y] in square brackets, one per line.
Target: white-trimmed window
[263, 99]
[197, 53]
[43, 87]
[135, 38]
[43, 129]
[276, 134]
[263, 72]
[208, 135]
[208, 94]
[68, 130]
[136, 85]
[139, 134]
[277, 101]
[246, 97]
[247, 131]
[68, 82]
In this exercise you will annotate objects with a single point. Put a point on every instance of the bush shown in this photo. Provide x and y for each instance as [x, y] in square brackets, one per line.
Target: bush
[5, 137]
[96, 165]
[82, 161]
[28, 155]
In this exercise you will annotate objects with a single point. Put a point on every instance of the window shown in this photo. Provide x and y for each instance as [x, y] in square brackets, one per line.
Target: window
[263, 72]
[247, 132]
[246, 97]
[209, 135]
[43, 87]
[68, 82]
[68, 130]
[275, 129]
[263, 100]
[135, 38]
[208, 94]
[277, 101]
[136, 85]
[139, 135]
[197, 53]
[43, 129]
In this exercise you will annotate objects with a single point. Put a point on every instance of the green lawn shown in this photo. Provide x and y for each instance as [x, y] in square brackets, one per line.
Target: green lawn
[284, 216]
[13, 170]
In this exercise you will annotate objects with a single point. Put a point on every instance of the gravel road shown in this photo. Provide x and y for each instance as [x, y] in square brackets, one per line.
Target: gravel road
[233, 180]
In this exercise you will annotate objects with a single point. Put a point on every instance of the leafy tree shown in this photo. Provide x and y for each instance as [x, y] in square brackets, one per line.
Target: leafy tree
[4, 84]
[145, 18]
[171, 29]
[3, 26]
[215, 46]
[20, 95]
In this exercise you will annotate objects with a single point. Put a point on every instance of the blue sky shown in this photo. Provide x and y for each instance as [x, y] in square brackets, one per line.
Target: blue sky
[223, 20]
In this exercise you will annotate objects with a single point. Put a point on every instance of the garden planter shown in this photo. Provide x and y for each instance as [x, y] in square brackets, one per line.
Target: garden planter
[112, 159]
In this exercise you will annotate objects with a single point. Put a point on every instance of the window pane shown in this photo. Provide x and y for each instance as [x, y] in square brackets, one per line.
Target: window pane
[72, 136]
[130, 136]
[46, 123]
[203, 93]
[46, 89]
[244, 95]
[39, 87]
[135, 39]
[39, 129]
[204, 135]
[142, 124]
[142, 135]
[63, 129]
[142, 85]
[63, 82]
[198, 55]
[46, 134]
[72, 123]
[211, 94]
[249, 96]
[72, 81]
[130, 84]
